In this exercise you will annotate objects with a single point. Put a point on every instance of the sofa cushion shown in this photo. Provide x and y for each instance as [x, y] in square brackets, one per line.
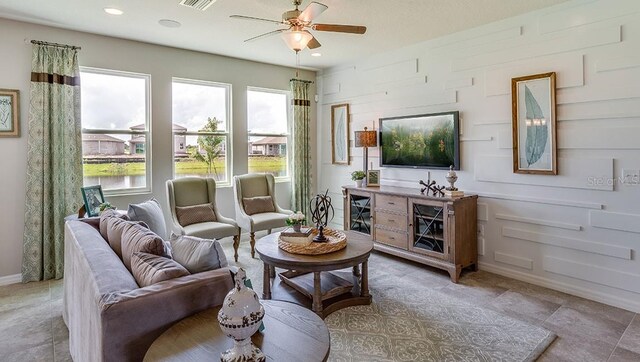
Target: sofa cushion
[136, 238]
[151, 213]
[198, 255]
[115, 229]
[195, 214]
[150, 269]
[258, 204]
[105, 216]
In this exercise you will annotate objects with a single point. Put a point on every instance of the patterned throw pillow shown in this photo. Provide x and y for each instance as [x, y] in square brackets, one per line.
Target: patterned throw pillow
[198, 255]
[136, 238]
[258, 205]
[195, 214]
[149, 269]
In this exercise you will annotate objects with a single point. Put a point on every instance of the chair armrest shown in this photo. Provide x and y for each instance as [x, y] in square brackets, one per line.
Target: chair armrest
[226, 220]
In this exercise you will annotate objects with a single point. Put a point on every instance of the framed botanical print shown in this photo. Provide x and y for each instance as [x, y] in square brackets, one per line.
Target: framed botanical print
[533, 100]
[340, 119]
[373, 178]
[93, 198]
[9, 113]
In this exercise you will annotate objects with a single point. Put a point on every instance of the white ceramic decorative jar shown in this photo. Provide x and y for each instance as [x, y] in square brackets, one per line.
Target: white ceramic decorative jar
[239, 318]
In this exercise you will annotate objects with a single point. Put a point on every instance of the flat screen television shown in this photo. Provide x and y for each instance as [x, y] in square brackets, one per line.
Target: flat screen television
[422, 141]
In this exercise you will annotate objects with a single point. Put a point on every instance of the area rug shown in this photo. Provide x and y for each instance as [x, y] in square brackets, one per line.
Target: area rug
[409, 323]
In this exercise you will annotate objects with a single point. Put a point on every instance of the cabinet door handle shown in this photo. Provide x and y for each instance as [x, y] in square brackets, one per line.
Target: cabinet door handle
[391, 220]
[392, 238]
[391, 203]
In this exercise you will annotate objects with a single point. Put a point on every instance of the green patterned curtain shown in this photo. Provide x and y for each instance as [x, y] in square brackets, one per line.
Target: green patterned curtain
[301, 187]
[54, 159]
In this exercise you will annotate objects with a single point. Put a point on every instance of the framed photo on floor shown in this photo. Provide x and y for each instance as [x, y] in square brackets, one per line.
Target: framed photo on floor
[533, 99]
[9, 113]
[340, 119]
[373, 177]
[93, 198]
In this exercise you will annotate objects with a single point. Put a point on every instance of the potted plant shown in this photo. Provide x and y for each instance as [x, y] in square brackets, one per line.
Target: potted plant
[296, 220]
[358, 176]
[106, 206]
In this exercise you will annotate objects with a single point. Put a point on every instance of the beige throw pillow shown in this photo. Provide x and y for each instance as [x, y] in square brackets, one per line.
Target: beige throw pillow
[105, 216]
[258, 205]
[115, 229]
[136, 238]
[198, 255]
[195, 214]
[149, 269]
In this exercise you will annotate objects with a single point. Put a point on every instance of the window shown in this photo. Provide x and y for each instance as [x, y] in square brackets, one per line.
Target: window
[268, 125]
[202, 129]
[115, 130]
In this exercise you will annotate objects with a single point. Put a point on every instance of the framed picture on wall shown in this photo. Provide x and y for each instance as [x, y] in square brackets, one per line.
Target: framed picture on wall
[93, 198]
[9, 113]
[535, 146]
[373, 177]
[340, 119]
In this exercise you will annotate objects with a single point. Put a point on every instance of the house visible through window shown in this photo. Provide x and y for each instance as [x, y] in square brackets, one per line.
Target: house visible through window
[268, 124]
[202, 129]
[115, 130]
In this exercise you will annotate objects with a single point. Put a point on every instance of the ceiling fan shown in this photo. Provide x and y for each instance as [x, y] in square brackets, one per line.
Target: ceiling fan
[298, 23]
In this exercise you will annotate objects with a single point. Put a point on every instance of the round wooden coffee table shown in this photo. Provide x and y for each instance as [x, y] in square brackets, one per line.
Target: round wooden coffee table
[315, 280]
[292, 333]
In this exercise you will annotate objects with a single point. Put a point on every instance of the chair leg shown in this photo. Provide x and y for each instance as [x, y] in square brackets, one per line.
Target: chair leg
[252, 241]
[269, 231]
[236, 244]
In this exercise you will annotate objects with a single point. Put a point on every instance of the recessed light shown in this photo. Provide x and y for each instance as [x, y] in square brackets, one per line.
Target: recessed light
[316, 54]
[113, 11]
[169, 23]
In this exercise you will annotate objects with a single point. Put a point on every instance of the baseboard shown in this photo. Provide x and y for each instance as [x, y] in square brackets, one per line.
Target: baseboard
[10, 279]
[631, 305]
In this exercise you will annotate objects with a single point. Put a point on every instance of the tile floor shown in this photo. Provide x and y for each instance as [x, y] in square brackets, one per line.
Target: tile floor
[32, 328]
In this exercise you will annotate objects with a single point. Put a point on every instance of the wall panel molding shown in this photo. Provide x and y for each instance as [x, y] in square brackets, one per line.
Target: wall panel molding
[610, 63]
[568, 243]
[615, 221]
[521, 262]
[528, 220]
[594, 274]
[483, 211]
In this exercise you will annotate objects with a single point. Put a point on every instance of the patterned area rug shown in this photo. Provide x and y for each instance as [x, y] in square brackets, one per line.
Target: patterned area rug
[409, 323]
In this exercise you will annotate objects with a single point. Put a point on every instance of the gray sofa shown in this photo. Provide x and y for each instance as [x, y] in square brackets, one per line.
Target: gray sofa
[110, 318]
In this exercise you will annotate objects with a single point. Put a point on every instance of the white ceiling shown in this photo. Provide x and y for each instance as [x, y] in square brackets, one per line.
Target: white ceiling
[391, 23]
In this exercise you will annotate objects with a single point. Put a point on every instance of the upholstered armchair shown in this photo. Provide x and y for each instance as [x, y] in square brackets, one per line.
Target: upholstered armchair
[256, 206]
[192, 202]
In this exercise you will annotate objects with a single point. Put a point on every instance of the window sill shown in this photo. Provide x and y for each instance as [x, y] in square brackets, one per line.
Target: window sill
[127, 192]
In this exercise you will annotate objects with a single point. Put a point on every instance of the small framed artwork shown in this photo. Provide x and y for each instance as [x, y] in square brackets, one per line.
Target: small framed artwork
[9, 113]
[93, 198]
[340, 119]
[373, 177]
[533, 102]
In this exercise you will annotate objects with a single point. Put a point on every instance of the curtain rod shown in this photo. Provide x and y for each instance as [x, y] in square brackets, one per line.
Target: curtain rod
[40, 42]
[302, 80]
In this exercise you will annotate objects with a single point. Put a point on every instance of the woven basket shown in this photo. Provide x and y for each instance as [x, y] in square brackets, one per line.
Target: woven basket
[337, 241]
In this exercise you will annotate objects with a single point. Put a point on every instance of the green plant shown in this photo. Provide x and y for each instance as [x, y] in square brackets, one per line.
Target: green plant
[296, 219]
[210, 146]
[357, 175]
[106, 206]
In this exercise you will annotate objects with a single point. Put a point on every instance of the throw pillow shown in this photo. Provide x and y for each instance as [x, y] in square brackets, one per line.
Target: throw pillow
[258, 205]
[149, 269]
[105, 216]
[151, 213]
[194, 214]
[115, 229]
[198, 255]
[136, 238]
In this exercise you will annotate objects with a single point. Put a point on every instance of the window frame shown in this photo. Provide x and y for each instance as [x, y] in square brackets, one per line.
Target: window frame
[147, 189]
[227, 133]
[287, 134]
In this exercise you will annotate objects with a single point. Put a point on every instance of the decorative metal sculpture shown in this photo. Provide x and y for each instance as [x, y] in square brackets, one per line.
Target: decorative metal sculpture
[436, 190]
[322, 213]
[451, 177]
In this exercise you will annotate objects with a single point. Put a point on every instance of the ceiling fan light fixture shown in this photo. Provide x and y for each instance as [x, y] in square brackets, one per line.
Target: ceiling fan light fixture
[296, 39]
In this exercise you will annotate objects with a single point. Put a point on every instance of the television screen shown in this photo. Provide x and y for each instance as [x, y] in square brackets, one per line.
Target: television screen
[423, 141]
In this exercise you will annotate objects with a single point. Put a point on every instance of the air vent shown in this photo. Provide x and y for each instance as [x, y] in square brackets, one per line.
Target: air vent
[197, 4]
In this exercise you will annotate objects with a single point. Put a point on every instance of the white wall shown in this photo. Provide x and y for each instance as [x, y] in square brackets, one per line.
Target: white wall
[557, 231]
[162, 63]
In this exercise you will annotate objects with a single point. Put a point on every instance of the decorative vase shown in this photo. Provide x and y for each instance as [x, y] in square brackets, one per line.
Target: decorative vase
[297, 228]
[451, 179]
[240, 317]
[358, 183]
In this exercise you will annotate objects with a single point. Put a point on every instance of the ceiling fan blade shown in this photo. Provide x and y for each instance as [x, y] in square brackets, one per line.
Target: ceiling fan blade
[265, 35]
[313, 43]
[312, 11]
[352, 29]
[242, 17]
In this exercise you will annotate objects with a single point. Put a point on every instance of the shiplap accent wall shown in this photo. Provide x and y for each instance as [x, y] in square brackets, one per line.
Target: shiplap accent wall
[576, 232]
